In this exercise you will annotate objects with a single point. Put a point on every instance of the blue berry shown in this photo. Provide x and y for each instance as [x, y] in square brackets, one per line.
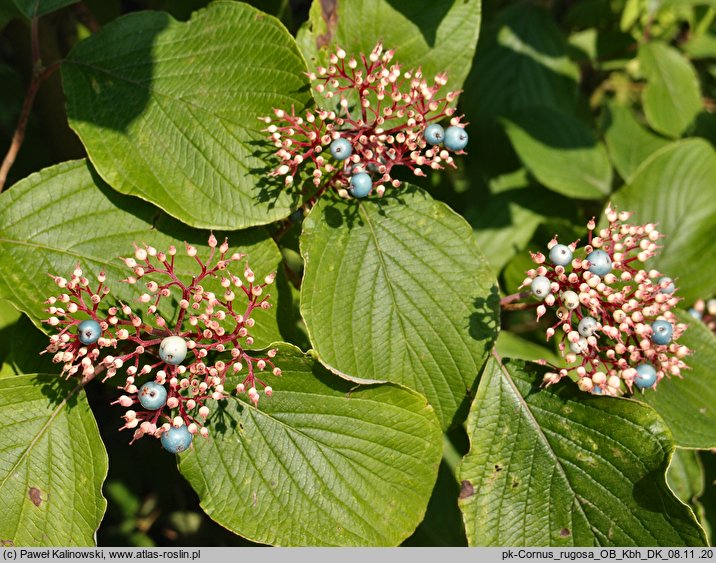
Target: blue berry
[560, 255]
[361, 184]
[176, 440]
[666, 284]
[645, 376]
[434, 134]
[341, 148]
[599, 262]
[89, 331]
[455, 138]
[152, 396]
[696, 314]
[173, 350]
[540, 287]
[596, 390]
[662, 331]
[587, 326]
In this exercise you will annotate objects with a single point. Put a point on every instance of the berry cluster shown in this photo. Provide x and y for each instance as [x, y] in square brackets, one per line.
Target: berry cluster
[212, 330]
[382, 118]
[619, 331]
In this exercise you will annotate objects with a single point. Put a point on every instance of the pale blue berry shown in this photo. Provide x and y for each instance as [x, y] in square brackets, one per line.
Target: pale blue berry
[176, 440]
[662, 331]
[455, 138]
[540, 287]
[89, 331]
[596, 390]
[600, 262]
[173, 350]
[434, 134]
[587, 326]
[341, 148]
[152, 396]
[361, 184]
[696, 314]
[560, 255]
[645, 376]
[666, 284]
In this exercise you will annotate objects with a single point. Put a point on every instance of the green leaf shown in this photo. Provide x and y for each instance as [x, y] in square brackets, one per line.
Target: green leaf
[509, 345]
[23, 354]
[322, 462]
[65, 214]
[53, 463]
[676, 188]
[396, 289]
[628, 142]
[522, 62]
[672, 97]
[557, 467]
[35, 8]
[560, 151]
[688, 405]
[506, 223]
[186, 135]
[436, 36]
[9, 315]
[686, 475]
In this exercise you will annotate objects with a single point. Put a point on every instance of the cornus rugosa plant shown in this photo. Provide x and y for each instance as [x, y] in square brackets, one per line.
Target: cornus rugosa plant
[618, 328]
[167, 392]
[382, 118]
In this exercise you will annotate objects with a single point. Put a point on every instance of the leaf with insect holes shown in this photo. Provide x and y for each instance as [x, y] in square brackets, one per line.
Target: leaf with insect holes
[558, 467]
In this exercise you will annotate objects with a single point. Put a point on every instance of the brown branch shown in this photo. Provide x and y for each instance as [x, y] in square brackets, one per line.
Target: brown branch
[39, 75]
[18, 137]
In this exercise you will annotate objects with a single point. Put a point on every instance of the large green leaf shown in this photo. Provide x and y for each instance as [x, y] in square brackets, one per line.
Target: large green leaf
[671, 98]
[558, 467]
[560, 151]
[169, 111]
[33, 8]
[52, 463]
[436, 36]
[65, 214]
[686, 475]
[22, 355]
[396, 289]
[687, 479]
[676, 188]
[688, 405]
[322, 462]
[628, 142]
[505, 224]
[510, 345]
[521, 62]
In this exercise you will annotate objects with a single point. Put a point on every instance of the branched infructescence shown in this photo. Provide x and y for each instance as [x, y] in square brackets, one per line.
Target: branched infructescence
[211, 329]
[379, 122]
[618, 327]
